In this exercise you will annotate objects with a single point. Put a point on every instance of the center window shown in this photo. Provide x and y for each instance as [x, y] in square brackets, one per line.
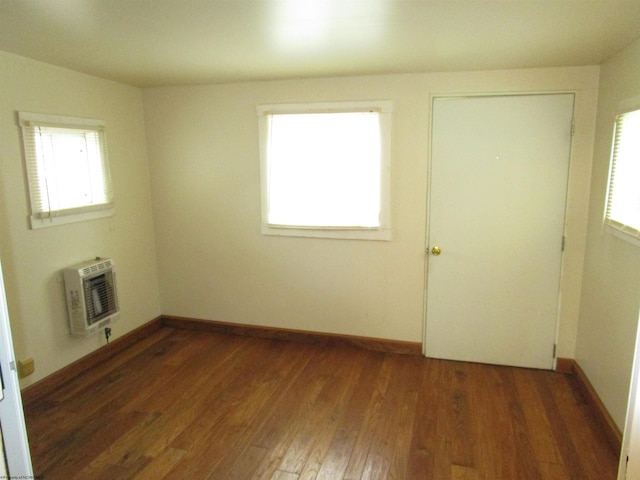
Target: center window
[325, 170]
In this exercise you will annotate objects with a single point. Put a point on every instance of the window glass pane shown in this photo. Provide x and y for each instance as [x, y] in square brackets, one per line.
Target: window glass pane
[67, 169]
[72, 169]
[324, 170]
[623, 202]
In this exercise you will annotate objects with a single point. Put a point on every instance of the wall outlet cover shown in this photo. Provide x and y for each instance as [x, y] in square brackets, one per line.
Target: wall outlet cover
[26, 367]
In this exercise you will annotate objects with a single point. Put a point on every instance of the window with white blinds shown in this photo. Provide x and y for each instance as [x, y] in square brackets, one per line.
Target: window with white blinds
[623, 197]
[67, 169]
[325, 169]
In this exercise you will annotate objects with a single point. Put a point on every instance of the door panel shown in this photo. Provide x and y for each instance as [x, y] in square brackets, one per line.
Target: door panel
[499, 171]
[14, 430]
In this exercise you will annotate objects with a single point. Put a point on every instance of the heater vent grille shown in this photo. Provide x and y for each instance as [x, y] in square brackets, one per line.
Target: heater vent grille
[92, 295]
[97, 267]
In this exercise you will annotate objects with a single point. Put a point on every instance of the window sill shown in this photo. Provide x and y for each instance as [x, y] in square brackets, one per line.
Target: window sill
[379, 234]
[62, 219]
[620, 233]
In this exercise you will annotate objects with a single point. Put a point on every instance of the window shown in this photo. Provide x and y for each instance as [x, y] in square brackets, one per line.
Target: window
[623, 198]
[326, 170]
[67, 169]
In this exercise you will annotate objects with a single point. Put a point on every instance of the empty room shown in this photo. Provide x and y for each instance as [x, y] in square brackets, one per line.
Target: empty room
[320, 239]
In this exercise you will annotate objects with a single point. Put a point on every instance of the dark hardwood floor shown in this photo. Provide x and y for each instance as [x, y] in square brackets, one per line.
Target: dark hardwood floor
[199, 405]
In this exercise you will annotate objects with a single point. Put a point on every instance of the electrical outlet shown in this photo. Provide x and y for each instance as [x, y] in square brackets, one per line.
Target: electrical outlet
[26, 367]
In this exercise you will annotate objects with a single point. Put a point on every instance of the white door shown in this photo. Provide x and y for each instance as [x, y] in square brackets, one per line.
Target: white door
[499, 168]
[3, 460]
[14, 431]
[629, 466]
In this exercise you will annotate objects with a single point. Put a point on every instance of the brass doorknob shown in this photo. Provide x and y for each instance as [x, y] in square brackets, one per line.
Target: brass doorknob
[436, 251]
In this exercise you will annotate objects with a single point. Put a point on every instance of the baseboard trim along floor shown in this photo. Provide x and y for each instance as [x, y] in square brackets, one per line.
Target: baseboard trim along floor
[609, 427]
[316, 338]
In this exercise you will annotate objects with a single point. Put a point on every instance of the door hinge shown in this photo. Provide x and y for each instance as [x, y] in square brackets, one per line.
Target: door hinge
[573, 127]
[564, 242]
[554, 350]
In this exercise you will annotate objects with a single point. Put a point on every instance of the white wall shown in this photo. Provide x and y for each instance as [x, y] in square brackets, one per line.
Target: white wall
[213, 262]
[33, 259]
[611, 286]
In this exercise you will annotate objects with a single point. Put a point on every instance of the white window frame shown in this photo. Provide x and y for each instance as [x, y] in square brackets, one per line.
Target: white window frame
[42, 215]
[383, 231]
[616, 228]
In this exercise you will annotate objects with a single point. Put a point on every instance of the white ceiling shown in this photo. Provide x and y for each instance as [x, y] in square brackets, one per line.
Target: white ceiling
[173, 42]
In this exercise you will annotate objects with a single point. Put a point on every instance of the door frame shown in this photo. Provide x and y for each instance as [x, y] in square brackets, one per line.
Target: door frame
[14, 431]
[630, 448]
[432, 97]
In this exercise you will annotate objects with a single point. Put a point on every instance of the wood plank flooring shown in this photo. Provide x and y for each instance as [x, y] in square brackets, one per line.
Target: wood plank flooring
[184, 404]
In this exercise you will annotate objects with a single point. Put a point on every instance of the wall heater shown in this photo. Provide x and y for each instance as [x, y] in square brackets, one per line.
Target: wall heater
[92, 296]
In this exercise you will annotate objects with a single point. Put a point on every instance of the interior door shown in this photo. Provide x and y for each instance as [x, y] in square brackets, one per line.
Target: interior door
[498, 182]
[3, 460]
[14, 431]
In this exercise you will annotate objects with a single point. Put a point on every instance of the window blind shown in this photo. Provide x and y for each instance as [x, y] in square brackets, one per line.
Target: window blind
[66, 164]
[623, 197]
[325, 169]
